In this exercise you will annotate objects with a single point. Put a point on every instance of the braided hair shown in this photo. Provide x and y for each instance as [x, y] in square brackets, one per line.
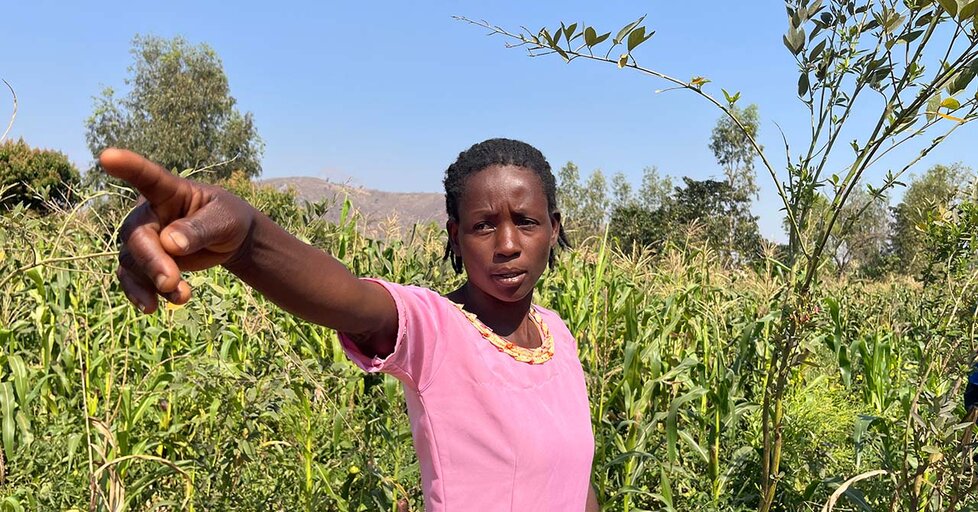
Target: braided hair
[487, 154]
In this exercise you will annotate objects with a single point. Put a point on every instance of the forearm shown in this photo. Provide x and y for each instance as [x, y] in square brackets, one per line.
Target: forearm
[592, 500]
[307, 281]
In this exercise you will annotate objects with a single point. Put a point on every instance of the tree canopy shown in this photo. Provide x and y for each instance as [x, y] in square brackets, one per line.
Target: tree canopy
[178, 112]
[733, 151]
[36, 178]
[927, 194]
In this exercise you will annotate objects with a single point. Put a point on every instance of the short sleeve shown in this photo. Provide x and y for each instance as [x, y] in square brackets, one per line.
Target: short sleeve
[415, 355]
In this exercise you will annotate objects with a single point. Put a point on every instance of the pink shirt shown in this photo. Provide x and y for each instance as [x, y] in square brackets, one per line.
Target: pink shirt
[492, 433]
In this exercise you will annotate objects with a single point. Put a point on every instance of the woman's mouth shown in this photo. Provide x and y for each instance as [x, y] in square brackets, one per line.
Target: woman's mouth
[509, 278]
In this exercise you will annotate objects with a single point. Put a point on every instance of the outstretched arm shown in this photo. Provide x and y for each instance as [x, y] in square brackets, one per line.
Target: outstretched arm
[182, 225]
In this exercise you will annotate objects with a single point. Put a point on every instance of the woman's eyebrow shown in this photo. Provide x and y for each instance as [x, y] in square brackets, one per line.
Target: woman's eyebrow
[483, 210]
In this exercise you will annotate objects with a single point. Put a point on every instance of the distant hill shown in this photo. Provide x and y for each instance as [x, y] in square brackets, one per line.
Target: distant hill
[379, 209]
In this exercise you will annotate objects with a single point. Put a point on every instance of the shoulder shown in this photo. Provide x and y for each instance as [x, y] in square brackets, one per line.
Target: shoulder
[410, 295]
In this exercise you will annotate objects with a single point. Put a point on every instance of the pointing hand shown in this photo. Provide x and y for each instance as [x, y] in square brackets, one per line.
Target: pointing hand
[177, 225]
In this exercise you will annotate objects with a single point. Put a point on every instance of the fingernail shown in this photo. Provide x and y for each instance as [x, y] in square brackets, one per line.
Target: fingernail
[180, 239]
[160, 280]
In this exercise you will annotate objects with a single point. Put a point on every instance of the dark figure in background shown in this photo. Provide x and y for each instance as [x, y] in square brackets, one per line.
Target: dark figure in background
[971, 400]
[971, 391]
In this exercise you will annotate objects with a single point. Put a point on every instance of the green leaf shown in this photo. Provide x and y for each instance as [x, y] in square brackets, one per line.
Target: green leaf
[731, 99]
[933, 106]
[12, 503]
[951, 103]
[9, 421]
[817, 50]
[623, 60]
[602, 37]
[672, 420]
[893, 23]
[626, 29]
[74, 440]
[803, 84]
[665, 486]
[961, 81]
[636, 37]
[19, 371]
[909, 37]
[694, 446]
[545, 34]
[558, 33]
[968, 10]
[590, 37]
[794, 40]
[562, 53]
[569, 31]
[951, 6]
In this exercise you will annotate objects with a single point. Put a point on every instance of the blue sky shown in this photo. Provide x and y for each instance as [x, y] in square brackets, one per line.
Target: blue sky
[386, 94]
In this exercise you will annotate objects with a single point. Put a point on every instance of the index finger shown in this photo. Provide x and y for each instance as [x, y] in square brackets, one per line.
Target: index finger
[154, 182]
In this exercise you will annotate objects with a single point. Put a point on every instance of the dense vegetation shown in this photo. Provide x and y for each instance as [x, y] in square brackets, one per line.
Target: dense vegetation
[230, 404]
[33, 177]
[725, 373]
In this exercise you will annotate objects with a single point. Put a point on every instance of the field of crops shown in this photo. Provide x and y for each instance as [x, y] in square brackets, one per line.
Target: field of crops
[230, 404]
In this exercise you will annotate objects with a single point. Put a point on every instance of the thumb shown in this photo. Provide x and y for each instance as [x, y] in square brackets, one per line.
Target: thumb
[217, 227]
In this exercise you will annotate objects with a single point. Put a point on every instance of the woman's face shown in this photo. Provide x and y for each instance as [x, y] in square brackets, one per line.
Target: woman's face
[504, 232]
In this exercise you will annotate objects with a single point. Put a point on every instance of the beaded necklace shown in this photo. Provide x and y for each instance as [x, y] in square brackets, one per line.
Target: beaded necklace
[538, 355]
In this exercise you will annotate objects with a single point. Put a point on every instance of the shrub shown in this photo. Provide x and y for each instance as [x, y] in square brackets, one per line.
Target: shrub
[37, 178]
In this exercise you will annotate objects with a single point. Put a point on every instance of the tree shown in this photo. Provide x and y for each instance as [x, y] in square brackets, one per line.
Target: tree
[36, 178]
[594, 209]
[926, 195]
[859, 239]
[621, 192]
[708, 204]
[655, 189]
[178, 112]
[584, 207]
[716, 206]
[732, 148]
[634, 225]
[570, 195]
[640, 219]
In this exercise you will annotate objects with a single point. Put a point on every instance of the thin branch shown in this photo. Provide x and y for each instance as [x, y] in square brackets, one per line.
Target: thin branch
[13, 115]
[680, 84]
[873, 144]
[920, 131]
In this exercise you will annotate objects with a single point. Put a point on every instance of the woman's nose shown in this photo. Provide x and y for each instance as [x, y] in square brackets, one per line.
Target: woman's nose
[507, 241]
